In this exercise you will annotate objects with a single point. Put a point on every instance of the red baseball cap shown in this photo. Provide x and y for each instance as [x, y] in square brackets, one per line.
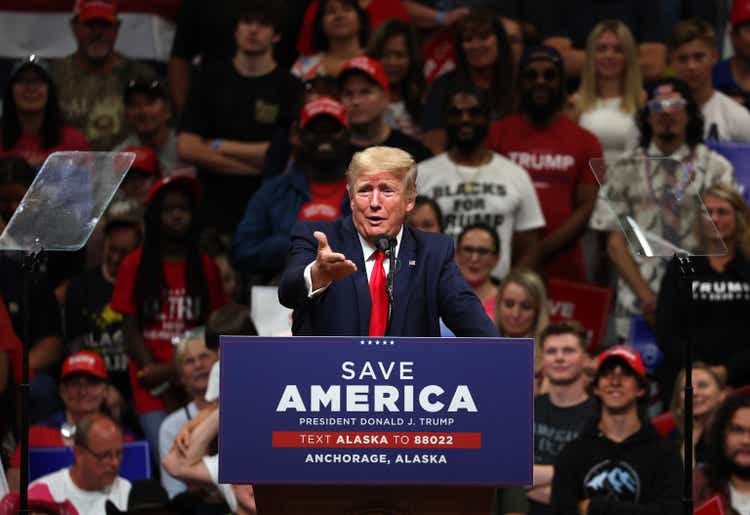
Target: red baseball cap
[323, 106]
[368, 66]
[188, 180]
[145, 160]
[740, 12]
[631, 356]
[84, 362]
[96, 10]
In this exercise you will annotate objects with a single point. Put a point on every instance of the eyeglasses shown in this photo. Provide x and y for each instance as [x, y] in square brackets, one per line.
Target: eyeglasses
[479, 251]
[738, 431]
[106, 455]
[534, 75]
[671, 105]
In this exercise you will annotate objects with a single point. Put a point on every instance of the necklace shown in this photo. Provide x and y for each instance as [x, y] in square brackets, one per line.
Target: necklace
[472, 176]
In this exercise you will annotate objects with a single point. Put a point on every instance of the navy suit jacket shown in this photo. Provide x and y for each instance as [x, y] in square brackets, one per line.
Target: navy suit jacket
[428, 286]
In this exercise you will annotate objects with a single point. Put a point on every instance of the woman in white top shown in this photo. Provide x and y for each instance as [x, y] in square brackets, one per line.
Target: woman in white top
[611, 90]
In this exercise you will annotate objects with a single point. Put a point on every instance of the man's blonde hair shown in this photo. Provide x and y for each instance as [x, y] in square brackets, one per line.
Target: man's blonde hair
[375, 160]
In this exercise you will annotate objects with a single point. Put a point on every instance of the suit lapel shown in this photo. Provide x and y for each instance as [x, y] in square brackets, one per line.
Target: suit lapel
[353, 250]
[407, 256]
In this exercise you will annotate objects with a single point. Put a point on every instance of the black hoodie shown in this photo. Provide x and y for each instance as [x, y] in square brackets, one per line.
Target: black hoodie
[641, 475]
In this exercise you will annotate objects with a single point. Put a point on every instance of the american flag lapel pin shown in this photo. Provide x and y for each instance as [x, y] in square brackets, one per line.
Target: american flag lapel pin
[412, 262]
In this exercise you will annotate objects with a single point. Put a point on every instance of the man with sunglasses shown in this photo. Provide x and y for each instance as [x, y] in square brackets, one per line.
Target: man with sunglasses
[670, 126]
[619, 464]
[472, 184]
[556, 152]
[93, 478]
[91, 80]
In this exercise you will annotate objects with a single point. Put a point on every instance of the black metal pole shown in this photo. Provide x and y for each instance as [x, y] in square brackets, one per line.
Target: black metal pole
[30, 265]
[687, 272]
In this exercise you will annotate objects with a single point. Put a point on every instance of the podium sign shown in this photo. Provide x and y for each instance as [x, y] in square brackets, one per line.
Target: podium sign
[342, 410]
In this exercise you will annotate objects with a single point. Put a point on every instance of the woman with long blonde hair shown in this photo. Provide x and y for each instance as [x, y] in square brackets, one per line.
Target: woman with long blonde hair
[715, 319]
[611, 90]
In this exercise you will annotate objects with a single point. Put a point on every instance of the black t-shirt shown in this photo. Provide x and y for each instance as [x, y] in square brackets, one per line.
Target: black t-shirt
[554, 428]
[207, 29]
[224, 104]
[400, 140]
[45, 312]
[91, 324]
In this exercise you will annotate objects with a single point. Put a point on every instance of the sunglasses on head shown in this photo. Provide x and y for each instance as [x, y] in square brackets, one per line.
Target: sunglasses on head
[548, 75]
[658, 105]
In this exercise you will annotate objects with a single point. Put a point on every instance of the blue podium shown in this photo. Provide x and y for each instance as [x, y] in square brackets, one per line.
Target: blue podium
[411, 425]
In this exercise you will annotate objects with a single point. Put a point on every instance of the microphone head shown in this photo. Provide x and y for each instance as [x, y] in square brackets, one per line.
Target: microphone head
[383, 243]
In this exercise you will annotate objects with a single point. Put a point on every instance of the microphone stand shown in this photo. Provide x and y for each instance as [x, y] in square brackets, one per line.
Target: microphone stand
[390, 280]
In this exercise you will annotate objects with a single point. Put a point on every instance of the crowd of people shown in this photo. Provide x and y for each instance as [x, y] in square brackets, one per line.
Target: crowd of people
[251, 128]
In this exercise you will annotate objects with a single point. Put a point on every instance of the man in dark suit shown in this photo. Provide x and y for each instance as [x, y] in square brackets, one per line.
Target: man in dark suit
[335, 277]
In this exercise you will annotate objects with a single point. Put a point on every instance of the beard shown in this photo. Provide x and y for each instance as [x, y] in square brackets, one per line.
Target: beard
[466, 144]
[541, 113]
[742, 471]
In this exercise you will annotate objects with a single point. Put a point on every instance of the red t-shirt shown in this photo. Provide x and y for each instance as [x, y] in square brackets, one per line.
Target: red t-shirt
[29, 146]
[557, 159]
[378, 11]
[325, 201]
[173, 319]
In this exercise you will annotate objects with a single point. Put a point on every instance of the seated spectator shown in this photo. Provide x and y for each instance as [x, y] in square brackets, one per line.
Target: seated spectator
[193, 362]
[164, 288]
[147, 497]
[231, 114]
[719, 292]
[90, 322]
[93, 478]
[611, 90]
[619, 463]
[670, 126]
[130, 198]
[709, 392]
[484, 60]
[16, 175]
[315, 189]
[692, 55]
[732, 76]
[728, 466]
[364, 93]
[32, 126]
[522, 310]
[426, 215]
[477, 252]
[91, 80]
[340, 32]
[564, 410]
[394, 44]
[556, 153]
[83, 389]
[280, 155]
[148, 113]
[472, 184]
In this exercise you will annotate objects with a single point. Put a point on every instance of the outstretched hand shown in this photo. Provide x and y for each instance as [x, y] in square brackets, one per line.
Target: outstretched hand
[329, 266]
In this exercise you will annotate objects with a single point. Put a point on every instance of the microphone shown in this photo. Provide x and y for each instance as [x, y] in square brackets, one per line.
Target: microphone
[387, 245]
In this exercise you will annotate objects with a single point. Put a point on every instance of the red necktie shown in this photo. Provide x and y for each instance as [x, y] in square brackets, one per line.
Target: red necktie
[378, 297]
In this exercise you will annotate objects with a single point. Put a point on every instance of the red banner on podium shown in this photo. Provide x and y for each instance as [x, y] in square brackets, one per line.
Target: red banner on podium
[585, 303]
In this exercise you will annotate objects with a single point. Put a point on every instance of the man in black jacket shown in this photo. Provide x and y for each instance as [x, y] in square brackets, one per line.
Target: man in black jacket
[619, 465]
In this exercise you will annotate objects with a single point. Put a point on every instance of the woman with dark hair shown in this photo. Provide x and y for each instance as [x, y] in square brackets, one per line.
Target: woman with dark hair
[32, 126]
[163, 289]
[340, 32]
[477, 254]
[394, 44]
[426, 215]
[484, 60]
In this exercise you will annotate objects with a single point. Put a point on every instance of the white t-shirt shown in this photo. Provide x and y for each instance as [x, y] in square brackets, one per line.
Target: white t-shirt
[212, 389]
[615, 129]
[167, 433]
[59, 487]
[499, 194]
[731, 119]
[740, 501]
